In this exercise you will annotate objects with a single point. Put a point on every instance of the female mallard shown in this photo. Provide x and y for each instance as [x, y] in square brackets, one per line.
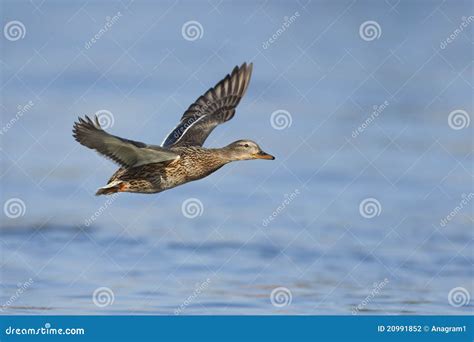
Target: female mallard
[181, 158]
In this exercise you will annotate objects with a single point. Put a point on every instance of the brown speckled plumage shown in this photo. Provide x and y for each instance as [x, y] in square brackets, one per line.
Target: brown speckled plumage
[194, 163]
[181, 158]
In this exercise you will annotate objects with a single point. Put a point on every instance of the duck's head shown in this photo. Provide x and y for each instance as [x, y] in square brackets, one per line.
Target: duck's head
[245, 150]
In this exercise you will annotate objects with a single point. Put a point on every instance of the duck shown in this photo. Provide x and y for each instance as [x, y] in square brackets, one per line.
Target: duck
[181, 158]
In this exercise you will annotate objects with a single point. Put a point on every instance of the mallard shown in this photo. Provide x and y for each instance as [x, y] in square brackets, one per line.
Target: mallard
[181, 158]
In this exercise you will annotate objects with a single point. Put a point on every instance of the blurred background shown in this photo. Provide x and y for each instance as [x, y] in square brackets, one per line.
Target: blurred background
[367, 209]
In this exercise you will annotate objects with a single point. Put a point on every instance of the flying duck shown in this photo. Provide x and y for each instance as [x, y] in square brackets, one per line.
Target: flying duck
[181, 158]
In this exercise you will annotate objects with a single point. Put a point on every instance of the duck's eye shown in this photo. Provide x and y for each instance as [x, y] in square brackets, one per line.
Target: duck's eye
[246, 145]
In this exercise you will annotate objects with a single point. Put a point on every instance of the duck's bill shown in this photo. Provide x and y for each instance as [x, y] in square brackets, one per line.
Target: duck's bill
[263, 155]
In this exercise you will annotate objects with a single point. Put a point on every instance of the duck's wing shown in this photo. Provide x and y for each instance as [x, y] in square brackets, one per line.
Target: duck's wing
[126, 153]
[216, 106]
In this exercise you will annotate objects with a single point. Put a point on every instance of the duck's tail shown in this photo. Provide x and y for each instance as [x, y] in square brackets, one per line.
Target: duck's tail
[111, 188]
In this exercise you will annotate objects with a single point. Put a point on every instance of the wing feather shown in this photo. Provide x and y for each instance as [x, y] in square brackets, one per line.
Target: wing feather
[216, 106]
[126, 153]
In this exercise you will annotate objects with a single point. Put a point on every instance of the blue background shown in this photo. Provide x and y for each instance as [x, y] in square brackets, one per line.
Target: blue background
[319, 246]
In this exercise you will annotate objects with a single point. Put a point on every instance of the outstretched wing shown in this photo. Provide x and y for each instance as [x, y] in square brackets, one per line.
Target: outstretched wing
[216, 106]
[126, 153]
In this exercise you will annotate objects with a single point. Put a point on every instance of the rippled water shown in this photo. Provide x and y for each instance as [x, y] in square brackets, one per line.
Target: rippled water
[320, 253]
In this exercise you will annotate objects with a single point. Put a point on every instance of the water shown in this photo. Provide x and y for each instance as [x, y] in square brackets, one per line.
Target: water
[68, 244]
